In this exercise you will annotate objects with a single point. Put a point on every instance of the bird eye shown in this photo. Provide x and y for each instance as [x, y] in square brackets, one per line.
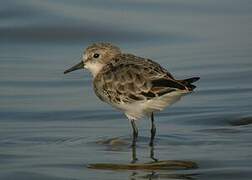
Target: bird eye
[96, 55]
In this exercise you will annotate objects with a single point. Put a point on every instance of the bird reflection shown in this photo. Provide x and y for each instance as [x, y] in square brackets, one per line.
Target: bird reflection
[154, 169]
[134, 155]
[155, 174]
[161, 175]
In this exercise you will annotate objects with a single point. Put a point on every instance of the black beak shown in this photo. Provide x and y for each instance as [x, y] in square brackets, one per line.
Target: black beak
[76, 67]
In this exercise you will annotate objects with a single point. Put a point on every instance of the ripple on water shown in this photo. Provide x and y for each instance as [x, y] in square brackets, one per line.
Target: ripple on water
[47, 130]
[42, 140]
[241, 121]
[30, 175]
[67, 115]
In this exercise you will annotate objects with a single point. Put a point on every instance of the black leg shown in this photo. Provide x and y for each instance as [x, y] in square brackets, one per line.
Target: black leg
[134, 158]
[135, 133]
[134, 139]
[152, 154]
[153, 130]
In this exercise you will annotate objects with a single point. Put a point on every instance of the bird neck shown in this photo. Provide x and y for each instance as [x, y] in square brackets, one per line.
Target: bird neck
[94, 68]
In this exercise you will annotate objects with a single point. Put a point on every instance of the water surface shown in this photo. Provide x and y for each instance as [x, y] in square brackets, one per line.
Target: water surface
[50, 123]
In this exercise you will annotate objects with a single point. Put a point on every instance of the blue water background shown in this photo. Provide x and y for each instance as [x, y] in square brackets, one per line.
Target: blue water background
[50, 123]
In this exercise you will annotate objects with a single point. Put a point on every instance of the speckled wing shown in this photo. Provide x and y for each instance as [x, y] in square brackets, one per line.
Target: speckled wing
[128, 78]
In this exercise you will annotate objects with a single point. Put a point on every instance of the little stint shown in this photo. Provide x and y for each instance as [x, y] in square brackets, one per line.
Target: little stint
[136, 86]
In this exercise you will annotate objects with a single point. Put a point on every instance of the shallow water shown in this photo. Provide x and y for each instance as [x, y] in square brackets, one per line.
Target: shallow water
[52, 125]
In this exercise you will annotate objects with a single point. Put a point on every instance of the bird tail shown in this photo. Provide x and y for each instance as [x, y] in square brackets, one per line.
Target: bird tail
[188, 82]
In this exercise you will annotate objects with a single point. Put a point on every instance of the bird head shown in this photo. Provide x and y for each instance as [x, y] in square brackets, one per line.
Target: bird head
[95, 57]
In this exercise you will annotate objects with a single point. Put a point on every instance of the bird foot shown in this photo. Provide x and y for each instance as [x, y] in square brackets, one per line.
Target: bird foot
[154, 159]
[134, 161]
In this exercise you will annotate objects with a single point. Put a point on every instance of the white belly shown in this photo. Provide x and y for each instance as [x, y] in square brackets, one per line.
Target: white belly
[139, 109]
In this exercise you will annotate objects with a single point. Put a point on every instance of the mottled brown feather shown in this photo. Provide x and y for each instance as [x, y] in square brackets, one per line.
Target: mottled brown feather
[134, 79]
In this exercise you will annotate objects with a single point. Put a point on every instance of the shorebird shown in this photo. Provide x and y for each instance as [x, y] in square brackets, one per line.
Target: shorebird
[134, 85]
